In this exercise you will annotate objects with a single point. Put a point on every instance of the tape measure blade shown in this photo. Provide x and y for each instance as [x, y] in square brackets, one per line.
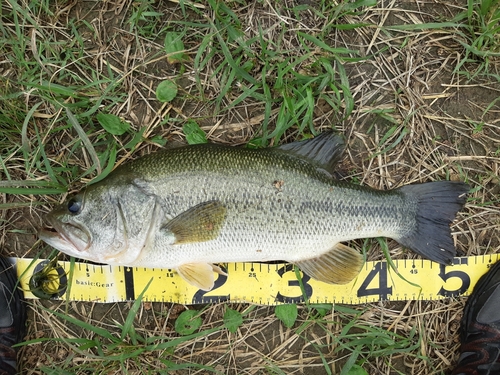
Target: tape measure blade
[269, 284]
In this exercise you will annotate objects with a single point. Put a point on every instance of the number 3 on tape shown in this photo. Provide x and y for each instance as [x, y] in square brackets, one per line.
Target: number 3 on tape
[304, 292]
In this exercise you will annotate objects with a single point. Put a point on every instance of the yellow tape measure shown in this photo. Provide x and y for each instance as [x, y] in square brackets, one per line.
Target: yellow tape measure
[266, 284]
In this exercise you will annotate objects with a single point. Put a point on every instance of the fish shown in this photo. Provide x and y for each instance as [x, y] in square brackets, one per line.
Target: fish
[193, 207]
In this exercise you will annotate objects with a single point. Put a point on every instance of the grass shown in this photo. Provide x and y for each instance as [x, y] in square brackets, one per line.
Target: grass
[480, 37]
[413, 87]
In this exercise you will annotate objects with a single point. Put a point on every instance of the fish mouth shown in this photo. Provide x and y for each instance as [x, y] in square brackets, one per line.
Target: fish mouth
[68, 238]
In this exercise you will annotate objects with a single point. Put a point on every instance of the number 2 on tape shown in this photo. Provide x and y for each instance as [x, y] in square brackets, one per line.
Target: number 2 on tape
[200, 297]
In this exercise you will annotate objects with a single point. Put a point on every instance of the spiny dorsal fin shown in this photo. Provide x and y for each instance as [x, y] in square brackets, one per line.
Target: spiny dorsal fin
[323, 151]
[200, 223]
[338, 266]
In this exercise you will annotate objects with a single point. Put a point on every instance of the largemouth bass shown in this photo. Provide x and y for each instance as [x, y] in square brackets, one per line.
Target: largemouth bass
[192, 207]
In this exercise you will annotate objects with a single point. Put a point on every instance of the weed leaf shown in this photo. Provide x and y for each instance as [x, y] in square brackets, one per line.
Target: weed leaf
[158, 140]
[166, 91]
[174, 47]
[356, 370]
[232, 320]
[287, 314]
[188, 322]
[112, 123]
[193, 132]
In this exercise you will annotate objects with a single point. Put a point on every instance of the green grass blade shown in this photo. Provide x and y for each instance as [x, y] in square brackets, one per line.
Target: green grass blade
[339, 52]
[85, 139]
[424, 26]
[86, 326]
[25, 142]
[129, 322]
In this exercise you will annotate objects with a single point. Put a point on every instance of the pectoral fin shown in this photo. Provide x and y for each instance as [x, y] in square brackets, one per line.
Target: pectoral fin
[200, 223]
[339, 266]
[201, 275]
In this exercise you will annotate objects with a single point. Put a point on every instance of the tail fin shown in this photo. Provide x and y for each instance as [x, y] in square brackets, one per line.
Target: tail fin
[437, 204]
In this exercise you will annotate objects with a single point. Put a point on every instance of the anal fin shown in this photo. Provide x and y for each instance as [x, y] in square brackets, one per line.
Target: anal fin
[338, 266]
[201, 275]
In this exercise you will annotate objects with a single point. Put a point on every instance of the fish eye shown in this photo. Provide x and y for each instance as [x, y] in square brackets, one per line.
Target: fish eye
[74, 205]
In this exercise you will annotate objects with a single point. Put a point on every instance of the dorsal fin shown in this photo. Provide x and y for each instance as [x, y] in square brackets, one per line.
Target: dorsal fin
[323, 151]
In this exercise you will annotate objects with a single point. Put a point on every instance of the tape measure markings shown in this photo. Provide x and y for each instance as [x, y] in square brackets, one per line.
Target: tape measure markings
[128, 276]
[271, 284]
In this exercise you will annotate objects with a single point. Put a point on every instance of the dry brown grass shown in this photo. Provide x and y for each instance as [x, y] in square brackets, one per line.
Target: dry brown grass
[408, 76]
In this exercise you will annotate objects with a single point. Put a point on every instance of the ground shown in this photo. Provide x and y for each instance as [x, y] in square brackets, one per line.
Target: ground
[412, 85]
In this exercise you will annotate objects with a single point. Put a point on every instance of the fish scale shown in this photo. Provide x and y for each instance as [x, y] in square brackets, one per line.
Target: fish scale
[207, 204]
